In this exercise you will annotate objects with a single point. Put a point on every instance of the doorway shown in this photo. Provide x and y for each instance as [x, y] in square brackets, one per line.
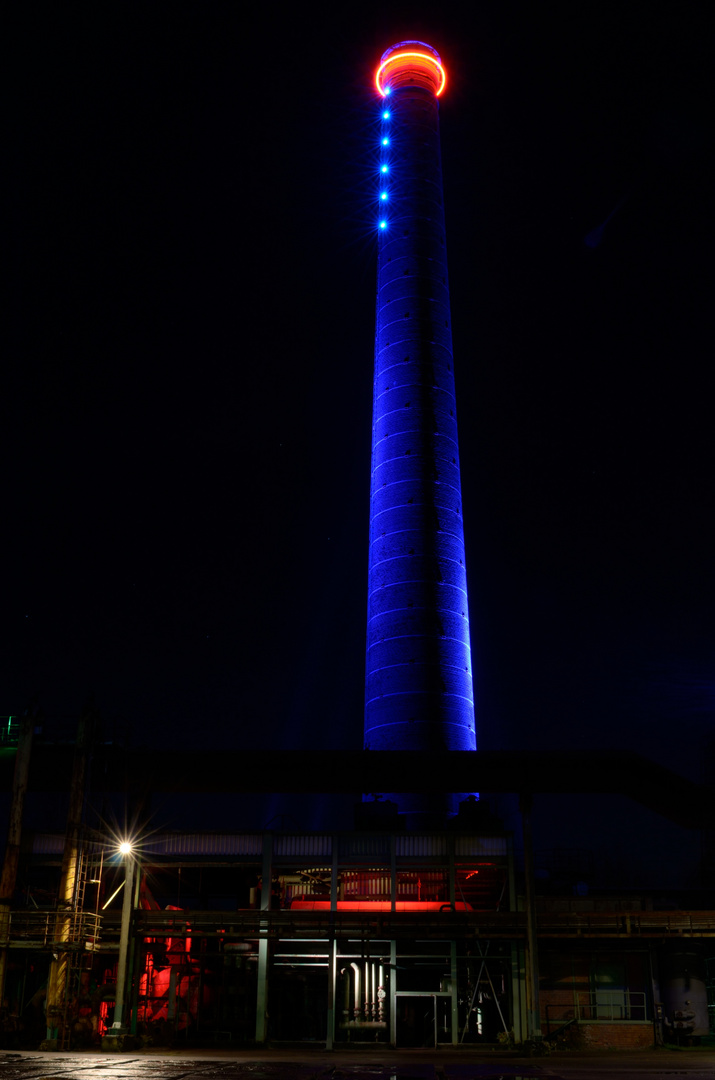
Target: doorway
[423, 1020]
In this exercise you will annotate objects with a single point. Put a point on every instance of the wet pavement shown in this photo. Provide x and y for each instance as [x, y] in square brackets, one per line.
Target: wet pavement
[143, 1066]
[344, 1065]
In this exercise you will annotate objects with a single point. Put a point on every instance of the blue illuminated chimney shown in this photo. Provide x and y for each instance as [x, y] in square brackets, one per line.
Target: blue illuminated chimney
[419, 692]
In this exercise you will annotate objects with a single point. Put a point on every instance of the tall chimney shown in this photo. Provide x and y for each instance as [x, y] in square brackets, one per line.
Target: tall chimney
[419, 692]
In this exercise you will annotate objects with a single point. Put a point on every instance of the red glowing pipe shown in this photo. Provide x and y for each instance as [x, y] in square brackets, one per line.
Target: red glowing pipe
[379, 905]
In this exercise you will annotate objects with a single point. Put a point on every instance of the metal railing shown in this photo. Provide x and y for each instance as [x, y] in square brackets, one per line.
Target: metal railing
[66, 930]
[41, 926]
[599, 1006]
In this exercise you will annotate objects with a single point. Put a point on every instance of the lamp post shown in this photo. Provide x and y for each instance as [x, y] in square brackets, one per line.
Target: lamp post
[125, 849]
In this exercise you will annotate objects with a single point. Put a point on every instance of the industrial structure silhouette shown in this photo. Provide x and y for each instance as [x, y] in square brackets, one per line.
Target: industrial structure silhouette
[416, 928]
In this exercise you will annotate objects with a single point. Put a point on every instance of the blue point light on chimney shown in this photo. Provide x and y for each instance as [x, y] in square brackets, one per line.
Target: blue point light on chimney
[419, 692]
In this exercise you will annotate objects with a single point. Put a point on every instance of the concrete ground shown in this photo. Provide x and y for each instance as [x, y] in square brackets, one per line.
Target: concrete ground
[351, 1065]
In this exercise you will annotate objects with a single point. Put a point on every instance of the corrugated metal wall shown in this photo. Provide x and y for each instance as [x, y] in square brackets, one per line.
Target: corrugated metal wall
[306, 845]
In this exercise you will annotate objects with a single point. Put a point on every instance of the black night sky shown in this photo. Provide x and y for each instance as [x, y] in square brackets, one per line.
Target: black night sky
[186, 396]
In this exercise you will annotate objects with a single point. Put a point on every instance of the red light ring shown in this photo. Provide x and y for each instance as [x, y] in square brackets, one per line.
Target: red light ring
[419, 55]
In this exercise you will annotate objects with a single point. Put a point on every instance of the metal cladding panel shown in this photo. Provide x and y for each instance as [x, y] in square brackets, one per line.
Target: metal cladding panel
[392, 516]
[390, 680]
[419, 693]
[48, 844]
[422, 597]
[406, 845]
[437, 549]
[480, 845]
[206, 844]
[420, 846]
[303, 845]
[453, 727]
[360, 846]
[420, 566]
[400, 374]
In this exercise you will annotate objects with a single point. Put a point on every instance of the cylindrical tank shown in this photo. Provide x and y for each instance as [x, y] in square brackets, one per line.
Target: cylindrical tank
[681, 968]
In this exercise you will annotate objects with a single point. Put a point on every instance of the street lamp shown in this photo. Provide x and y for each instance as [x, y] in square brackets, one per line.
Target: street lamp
[125, 850]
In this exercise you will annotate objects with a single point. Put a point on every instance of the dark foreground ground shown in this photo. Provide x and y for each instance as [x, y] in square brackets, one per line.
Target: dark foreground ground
[346, 1065]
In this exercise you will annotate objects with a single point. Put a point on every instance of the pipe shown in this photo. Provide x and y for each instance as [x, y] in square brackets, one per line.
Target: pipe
[356, 991]
[14, 833]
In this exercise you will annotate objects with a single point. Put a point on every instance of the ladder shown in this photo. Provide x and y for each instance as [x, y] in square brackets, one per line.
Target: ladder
[84, 925]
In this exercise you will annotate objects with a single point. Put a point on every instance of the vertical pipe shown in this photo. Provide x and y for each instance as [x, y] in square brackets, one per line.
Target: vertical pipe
[14, 835]
[57, 988]
[517, 981]
[346, 995]
[393, 992]
[510, 872]
[517, 984]
[453, 988]
[334, 875]
[332, 971]
[356, 991]
[532, 955]
[262, 979]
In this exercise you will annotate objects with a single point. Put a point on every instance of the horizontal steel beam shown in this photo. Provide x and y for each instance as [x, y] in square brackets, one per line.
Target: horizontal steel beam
[253, 924]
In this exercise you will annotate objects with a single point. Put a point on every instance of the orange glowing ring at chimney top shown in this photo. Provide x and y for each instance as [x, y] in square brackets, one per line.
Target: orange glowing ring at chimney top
[424, 65]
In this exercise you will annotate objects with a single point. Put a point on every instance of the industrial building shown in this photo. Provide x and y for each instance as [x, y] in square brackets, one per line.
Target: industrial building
[377, 934]
[418, 927]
